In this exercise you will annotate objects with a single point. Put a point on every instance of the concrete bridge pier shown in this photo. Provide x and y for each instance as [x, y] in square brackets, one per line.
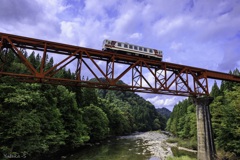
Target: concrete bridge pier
[206, 148]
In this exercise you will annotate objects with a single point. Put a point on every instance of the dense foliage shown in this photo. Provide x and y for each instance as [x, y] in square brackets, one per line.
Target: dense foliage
[182, 122]
[225, 111]
[40, 119]
[164, 112]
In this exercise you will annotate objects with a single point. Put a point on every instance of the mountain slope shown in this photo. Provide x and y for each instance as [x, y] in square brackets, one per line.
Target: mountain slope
[164, 112]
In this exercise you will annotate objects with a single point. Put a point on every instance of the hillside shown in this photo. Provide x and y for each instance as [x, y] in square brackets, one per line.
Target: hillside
[142, 111]
[164, 112]
[225, 116]
[46, 119]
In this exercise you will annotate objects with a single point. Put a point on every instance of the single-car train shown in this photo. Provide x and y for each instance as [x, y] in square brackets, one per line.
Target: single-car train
[132, 49]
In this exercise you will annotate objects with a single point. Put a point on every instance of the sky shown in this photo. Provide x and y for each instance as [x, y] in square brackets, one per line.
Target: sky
[199, 33]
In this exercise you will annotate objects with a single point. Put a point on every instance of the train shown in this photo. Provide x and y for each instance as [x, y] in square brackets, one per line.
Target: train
[126, 48]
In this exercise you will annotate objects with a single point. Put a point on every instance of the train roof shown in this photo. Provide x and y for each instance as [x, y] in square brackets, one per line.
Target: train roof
[132, 44]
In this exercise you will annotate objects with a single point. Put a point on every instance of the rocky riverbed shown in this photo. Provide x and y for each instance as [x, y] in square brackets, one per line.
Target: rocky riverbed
[155, 142]
[139, 146]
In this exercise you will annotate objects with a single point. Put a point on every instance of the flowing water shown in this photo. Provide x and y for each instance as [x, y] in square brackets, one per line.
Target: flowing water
[120, 149]
[132, 147]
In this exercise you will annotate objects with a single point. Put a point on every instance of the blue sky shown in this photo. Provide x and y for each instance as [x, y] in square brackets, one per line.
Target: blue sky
[200, 33]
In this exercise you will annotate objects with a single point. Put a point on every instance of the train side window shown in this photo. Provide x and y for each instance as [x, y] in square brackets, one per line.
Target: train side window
[150, 50]
[130, 46]
[145, 49]
[135, 47]
[140, 48]
[119, 44]
[125, 45]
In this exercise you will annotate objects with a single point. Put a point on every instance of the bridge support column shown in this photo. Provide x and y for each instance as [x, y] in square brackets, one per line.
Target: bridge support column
[206, 148]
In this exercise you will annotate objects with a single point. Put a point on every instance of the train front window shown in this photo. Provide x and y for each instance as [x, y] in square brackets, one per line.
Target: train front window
[145, 49]
[150, 50]
[135, 47]
[119, 44]
[130, 46]
[140, 48]
[125, 45]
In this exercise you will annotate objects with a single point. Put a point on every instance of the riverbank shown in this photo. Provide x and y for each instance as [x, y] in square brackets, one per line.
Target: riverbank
[155, 142]
[150, 145]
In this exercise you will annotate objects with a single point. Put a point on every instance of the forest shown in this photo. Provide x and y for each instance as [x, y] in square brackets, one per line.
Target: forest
[38, 120]
[225, 117]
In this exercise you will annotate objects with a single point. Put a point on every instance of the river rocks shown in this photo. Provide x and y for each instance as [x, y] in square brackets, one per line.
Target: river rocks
[154, 142]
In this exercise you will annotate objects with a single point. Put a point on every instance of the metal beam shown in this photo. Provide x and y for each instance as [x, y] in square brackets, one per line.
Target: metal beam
[166, 78]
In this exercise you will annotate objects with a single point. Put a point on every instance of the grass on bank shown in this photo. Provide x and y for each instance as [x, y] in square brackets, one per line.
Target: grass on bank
[172, 140]
[221, 154]
[186, 143]
[182, 154]
[180, 158]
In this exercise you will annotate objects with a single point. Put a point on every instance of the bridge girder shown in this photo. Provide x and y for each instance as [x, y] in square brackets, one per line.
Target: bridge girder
[147, 75]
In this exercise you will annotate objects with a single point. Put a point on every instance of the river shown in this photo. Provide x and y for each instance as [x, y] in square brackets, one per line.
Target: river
[139, 146]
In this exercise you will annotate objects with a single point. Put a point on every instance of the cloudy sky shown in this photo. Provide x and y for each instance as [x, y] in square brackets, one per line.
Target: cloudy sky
[201, 33]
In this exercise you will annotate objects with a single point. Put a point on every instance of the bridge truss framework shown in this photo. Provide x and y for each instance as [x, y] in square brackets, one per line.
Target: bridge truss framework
[107, 68]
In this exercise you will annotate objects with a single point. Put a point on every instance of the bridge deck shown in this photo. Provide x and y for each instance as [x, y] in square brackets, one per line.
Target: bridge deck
[165, 78]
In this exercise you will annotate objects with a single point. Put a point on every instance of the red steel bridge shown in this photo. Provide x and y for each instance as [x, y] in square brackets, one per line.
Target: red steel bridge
[146, 75]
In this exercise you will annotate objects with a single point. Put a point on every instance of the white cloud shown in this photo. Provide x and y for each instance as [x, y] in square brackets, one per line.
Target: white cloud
[67, 29]
[176, 46]
[160, 101]
[99, 8]
[136, 36]
[165, 26]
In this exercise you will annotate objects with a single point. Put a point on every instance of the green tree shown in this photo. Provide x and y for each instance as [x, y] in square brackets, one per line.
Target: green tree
[215, 90]
[156, 124]
[96, 121]
[89, 96]
[182, 121]
[120, 119]
[35, 125]
[71, 116]
[225, 118]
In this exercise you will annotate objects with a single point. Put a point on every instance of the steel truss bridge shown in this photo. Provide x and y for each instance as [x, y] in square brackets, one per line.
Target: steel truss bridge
[108, 68]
